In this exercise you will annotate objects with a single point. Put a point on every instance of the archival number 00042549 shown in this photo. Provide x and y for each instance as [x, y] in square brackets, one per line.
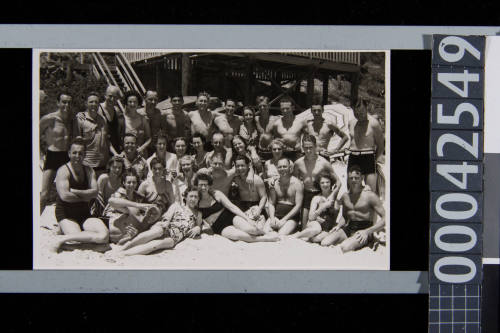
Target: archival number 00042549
[456, 172]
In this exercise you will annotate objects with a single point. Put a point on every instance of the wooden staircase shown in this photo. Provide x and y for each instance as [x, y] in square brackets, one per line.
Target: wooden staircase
[117, 71]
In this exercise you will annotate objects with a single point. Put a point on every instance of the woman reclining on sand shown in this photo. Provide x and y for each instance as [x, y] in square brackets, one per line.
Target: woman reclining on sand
[179, 222]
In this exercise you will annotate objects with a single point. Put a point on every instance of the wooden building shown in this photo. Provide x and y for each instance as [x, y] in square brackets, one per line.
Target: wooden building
[243, 76]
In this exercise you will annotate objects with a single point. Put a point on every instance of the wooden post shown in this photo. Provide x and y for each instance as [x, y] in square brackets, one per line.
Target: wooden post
[222, 83]
[276, 90]
[354, 88]
[296, 93]
[310, 87]
[186, 74]
[157, 78]
[326, 77]
[249, 82]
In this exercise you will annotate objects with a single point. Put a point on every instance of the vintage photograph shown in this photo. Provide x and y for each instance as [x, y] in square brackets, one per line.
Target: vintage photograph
[218, 159]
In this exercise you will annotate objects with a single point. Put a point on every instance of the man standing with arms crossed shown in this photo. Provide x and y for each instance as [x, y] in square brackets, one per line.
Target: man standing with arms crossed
[288, 128]
[76, 186]
[229, 123]
[323, 130]
[57, 128]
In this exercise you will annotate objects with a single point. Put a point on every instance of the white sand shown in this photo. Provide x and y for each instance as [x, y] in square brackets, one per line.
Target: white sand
[209, 252]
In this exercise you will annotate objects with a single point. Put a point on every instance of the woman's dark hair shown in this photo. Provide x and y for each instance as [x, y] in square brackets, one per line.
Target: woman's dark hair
[203, 93]
[154, 161]
[129, 93]
[130, 173]
[354, 167]
[239, 138]
[114, 159]
[242, 157]
[94, 93]
[203, 176]
[191, 189]
[323, 175]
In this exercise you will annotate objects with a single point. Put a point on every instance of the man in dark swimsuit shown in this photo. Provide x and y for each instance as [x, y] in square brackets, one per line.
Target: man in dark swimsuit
[285, 200]
[249, 194]
[56, 128]
[367, 143]
[76, 186]
[157, 123]
[307, 168]
[114, 118]
[358, 207]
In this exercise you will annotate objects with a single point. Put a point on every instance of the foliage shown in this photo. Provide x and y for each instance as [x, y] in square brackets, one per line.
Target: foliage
[65, 72]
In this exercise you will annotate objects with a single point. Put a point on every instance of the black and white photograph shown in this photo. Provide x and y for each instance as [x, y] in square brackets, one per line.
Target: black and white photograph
[211, 159]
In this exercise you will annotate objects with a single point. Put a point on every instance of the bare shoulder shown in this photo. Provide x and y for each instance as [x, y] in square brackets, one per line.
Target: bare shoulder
[374, 122]
[258, 180]
[62, 172]
[331, 123]
[143, 186]
[141, 111]
[49, 117]
[371, 196]
[323, 160]
[299, 161]
[296, 182]
[316, 199]
[103, 178]
[218, 195]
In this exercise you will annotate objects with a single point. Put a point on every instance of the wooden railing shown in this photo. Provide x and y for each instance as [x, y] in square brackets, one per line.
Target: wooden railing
[339, 57]
[139, 56]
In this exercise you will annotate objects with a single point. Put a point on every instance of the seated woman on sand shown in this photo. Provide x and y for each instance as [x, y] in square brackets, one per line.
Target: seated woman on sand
[323, 213]
[126, 211]
[220, 214]
[180, 221]
[107, 184]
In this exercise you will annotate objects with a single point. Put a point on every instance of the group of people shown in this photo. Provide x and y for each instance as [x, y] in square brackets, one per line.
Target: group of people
[146, 179]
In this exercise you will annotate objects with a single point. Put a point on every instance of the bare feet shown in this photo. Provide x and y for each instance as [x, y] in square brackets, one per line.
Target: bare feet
[269, 238]
[55, 247]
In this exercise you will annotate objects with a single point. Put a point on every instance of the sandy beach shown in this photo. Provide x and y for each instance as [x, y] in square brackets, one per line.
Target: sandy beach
[207, 252]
